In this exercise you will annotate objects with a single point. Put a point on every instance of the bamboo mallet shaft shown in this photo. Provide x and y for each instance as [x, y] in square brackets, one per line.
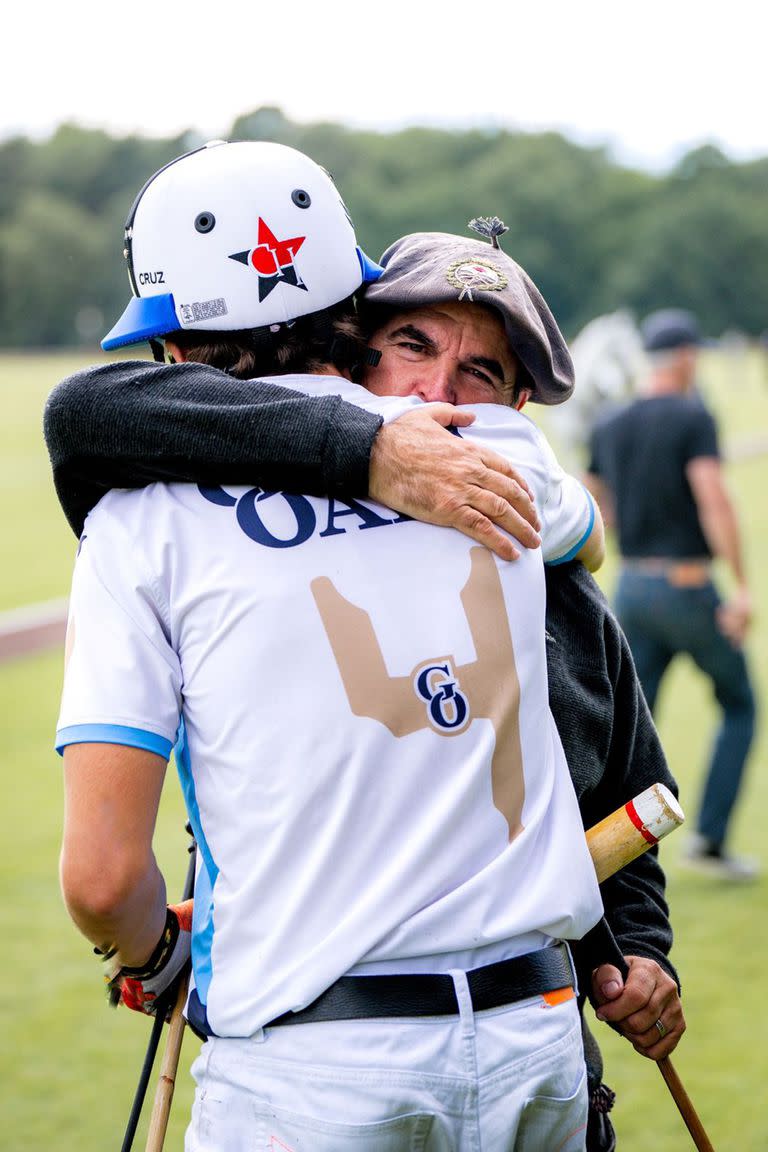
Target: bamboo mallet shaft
[684, 1106]
[161, 1109]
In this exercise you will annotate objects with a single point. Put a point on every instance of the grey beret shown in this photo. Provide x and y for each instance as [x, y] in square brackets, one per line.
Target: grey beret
[428, 268]
[670, 328]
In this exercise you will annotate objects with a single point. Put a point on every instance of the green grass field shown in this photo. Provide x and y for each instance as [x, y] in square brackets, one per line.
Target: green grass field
[68, 1065]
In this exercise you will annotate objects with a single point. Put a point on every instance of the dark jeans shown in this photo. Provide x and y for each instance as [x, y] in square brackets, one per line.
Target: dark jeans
[661, 620]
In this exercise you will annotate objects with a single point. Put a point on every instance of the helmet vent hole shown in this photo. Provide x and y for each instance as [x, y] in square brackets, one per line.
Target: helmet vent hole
[205, 222]
[301, 198]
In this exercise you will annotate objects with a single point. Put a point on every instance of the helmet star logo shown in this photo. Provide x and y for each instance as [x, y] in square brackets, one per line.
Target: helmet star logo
[272, 259]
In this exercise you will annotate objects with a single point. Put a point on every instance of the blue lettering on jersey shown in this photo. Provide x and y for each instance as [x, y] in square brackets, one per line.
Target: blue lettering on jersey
[352, 508]
[251, 523]
[217, 496]
[302, 509]
[447, 706]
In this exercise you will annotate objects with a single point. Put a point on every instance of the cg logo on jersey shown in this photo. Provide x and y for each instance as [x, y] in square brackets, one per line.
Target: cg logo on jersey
[447, 706]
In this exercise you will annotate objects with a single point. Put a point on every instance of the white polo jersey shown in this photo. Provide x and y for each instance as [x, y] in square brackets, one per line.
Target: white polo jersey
[359, 708]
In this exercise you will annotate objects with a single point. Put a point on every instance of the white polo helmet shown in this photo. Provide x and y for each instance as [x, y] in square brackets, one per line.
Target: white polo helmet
[236, 236]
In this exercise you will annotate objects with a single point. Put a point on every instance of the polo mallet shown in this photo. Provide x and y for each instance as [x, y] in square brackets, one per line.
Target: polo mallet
[614, 842]
[168, 999]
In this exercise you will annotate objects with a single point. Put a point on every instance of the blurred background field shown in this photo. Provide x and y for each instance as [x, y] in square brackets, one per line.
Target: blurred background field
[69, 1065]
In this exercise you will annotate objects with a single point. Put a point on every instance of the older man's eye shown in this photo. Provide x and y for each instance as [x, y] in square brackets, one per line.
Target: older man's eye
[411, 346]
[480, 375]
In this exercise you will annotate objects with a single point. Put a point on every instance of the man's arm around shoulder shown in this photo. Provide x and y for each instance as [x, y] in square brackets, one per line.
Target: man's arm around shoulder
[127, 424]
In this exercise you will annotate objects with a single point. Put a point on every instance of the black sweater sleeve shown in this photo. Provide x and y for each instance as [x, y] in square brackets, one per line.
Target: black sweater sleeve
[130, 423]
[611, 745]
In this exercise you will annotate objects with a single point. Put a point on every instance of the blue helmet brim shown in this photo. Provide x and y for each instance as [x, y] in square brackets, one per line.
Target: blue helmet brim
[370, 269]
[144, 318]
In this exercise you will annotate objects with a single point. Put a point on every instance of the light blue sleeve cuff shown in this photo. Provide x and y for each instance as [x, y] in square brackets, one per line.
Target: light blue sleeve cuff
[113, 734]
[577, 547]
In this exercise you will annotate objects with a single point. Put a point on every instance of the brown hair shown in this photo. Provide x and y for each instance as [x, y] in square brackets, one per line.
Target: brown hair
[306, 345]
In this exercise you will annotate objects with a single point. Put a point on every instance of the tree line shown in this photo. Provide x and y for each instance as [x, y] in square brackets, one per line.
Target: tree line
[594, 235]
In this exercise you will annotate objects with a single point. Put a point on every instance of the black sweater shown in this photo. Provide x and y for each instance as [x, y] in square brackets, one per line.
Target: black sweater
[131, 423]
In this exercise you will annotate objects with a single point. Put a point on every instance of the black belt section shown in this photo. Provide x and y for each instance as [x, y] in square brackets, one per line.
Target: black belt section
[426, 994]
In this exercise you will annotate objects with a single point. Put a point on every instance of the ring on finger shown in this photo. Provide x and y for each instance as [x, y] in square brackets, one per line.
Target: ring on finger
[661, 1027]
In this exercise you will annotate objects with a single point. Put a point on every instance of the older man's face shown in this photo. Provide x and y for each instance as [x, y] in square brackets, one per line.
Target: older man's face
[453, 352]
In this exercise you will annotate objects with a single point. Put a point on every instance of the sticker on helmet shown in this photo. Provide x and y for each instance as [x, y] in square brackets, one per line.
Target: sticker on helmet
[202, 310]
[272, 259]
[475, 275]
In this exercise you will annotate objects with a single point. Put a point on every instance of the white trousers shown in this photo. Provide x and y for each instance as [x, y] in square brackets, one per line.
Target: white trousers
[510, 1079]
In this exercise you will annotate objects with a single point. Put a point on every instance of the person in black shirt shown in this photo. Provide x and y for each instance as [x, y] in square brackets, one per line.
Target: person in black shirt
[655, 470]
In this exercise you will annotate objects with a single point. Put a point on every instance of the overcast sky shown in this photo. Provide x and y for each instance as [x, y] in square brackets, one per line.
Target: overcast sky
[648, 81]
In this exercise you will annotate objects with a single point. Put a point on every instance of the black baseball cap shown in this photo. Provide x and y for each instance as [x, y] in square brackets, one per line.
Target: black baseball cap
[670, 328]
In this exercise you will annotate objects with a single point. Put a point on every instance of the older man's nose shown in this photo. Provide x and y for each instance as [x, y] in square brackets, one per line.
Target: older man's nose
[437, 383]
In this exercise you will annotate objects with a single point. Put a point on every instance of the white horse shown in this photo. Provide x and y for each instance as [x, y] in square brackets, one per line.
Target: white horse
[609, 361]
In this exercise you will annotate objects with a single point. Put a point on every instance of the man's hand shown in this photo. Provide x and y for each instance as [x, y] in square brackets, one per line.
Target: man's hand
[139, 988]
[735, 616]
[633, 1007]
[422, 470]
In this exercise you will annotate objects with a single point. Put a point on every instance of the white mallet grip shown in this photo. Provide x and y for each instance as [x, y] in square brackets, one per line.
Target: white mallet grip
[631, 830]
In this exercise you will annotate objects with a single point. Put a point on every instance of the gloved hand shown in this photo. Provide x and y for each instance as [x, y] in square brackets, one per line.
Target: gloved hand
[139, 988]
